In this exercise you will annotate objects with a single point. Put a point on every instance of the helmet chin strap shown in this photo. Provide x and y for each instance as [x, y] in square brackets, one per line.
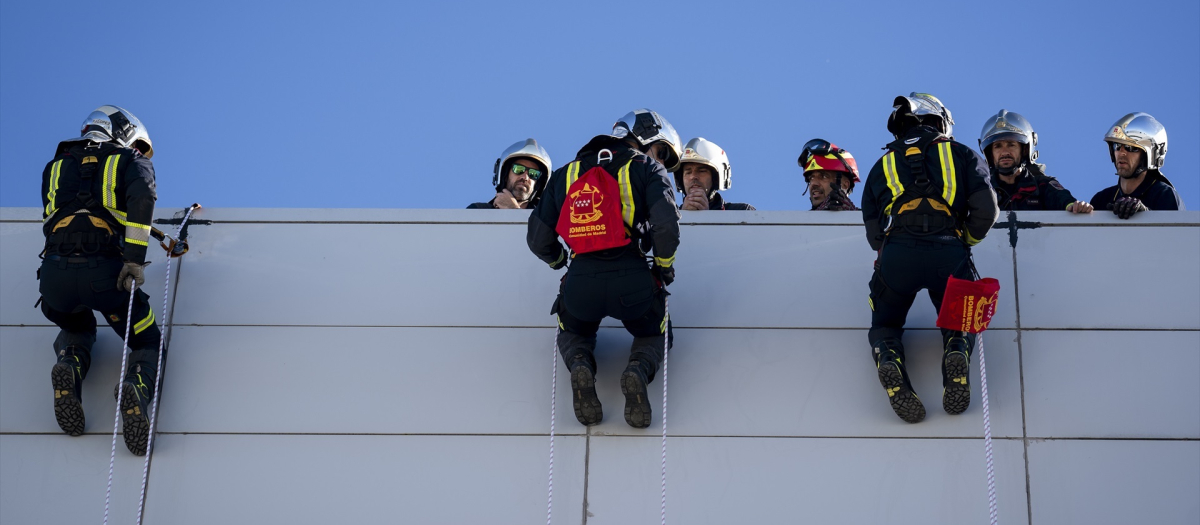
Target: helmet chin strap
[1016, 168]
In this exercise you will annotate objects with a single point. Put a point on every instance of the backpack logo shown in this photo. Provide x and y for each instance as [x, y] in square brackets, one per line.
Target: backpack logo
[590, 219]
[585, 205]
[912, 140]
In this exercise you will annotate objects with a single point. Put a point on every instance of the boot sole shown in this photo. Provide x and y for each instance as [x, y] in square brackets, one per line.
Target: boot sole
[587, 405]
[956, 397]
[904, 401]
[637, 404]
[135, 424]
[68, 410]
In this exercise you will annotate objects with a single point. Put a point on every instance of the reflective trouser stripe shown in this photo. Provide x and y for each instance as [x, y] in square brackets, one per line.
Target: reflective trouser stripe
[949, 182]
[893, 180]
[109, 189]
[144, 323]
[137, 233]
[52, 192]
[627, 205]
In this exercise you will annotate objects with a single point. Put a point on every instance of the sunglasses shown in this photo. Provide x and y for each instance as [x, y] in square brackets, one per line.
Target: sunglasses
[822, 147]
[534, 173]
[1128, 149]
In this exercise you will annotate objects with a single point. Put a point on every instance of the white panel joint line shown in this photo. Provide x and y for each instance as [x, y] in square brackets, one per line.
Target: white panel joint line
[112, 459]
[987, 436]
[553, 394]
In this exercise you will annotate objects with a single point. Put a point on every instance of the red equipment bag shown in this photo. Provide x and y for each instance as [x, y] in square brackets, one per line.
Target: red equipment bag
[590, 219]
[968, 306]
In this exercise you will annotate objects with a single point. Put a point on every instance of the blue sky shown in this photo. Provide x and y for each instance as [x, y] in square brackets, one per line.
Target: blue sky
[407, 105]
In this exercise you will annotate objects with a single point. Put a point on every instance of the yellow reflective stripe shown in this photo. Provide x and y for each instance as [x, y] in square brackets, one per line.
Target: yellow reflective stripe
[559, 259]
[144, 323]
[665, 263]
[627, 205]
[137, 233]
[109, 189]
[893, 180]
[972, 241]
[55, 173]
[119, 215]
[572, 176]
[949, 181]
[662, 328]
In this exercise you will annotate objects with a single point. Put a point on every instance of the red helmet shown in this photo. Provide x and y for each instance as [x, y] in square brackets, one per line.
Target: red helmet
[820, 154]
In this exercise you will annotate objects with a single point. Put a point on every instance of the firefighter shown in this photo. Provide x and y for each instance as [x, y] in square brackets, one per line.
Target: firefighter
[519, 176]
[612, 205]
[1009, 145]
[1137, 146]
[98, 198]
[830, 174]
[703, 170]
[925, 203]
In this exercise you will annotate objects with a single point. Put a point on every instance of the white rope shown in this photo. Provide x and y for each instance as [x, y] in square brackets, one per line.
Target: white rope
[987, 436]
[162, 342]
[112, 459]
[553, 395]
[666, 348]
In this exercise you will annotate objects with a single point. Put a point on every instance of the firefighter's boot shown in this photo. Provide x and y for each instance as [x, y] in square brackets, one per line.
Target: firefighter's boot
[136, 397]
[577, 354]
[956, 372]
[67, 379]
[889, 362]
[644, 357]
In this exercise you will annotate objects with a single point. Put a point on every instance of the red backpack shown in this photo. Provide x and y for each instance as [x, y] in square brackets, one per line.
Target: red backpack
[591, 217]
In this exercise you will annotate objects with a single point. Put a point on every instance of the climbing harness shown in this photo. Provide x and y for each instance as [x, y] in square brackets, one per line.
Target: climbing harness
[178, 247]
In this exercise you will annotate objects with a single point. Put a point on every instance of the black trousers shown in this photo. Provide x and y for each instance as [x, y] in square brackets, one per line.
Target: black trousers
[906, 266]
[72, 290]
[623, 289]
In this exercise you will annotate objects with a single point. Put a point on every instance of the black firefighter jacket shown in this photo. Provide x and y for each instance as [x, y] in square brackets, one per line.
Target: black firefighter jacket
[655, 218]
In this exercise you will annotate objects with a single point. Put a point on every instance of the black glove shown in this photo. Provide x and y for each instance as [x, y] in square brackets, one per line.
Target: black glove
[664, 275]
[1125, 207]
[131, 276]
[561, 263]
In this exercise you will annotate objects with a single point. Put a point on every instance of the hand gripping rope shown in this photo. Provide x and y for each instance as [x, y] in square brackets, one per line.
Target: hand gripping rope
[987, 436]
[554, 394]
[177, 248]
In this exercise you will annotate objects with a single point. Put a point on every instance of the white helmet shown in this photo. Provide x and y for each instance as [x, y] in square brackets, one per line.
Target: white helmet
[1007, 125]
[528, 148]
[111, 123]
[701, 151]
[648, 127]
[1144, 132]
